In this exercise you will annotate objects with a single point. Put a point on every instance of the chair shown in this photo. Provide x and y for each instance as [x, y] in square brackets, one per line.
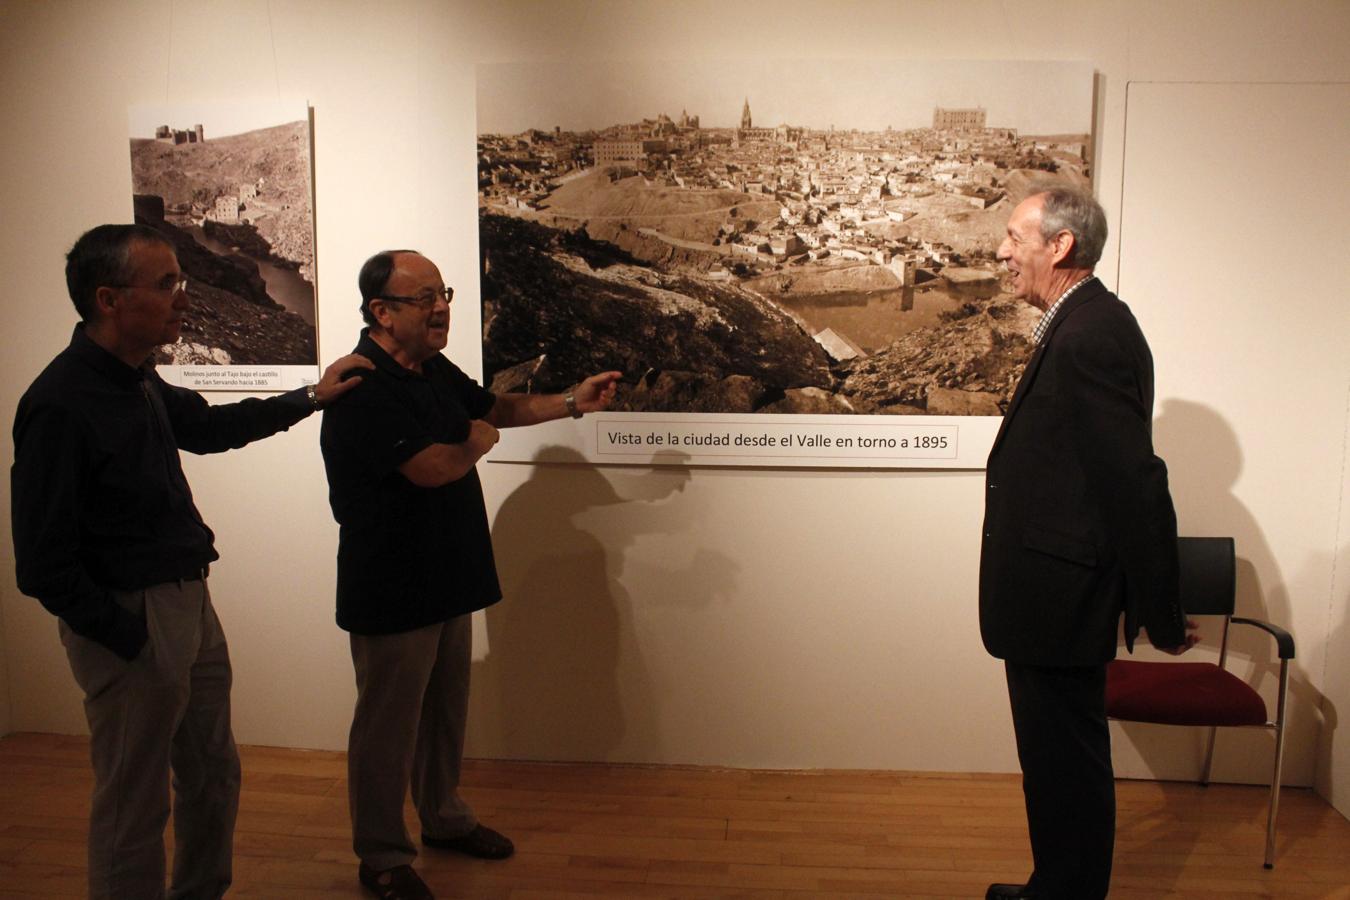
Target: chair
[1202, 693]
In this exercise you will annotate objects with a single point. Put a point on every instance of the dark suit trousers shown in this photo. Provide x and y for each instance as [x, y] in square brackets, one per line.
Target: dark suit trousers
[1059, 714]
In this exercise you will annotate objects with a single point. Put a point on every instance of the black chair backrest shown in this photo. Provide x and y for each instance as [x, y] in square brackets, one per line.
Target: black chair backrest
[1208, 575]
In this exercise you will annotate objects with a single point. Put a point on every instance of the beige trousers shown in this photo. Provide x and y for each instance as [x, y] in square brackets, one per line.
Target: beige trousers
[166, 711]
[412, 703]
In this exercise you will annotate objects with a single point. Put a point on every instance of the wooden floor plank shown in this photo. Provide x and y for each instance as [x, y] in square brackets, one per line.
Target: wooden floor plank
[687, 833]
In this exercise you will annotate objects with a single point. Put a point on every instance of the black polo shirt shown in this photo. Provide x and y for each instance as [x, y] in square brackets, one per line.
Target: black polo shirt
[408, 556]
[99, 501]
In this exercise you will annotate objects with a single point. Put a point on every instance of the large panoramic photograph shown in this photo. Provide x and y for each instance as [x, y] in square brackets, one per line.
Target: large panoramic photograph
[229, 185]
[766, 238]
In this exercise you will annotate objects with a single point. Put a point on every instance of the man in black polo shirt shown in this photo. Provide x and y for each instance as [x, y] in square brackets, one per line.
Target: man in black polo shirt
[414, 560]
[107, 537]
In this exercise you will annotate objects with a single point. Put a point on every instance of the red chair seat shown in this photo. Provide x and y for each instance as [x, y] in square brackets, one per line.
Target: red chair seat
[1180, 694]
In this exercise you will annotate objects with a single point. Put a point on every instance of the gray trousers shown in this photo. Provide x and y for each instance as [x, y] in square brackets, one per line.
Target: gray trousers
[412, 703]
[167, 710]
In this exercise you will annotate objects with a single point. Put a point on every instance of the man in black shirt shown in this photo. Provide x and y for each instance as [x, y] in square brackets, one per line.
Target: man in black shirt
[414, 560]
[107, 537]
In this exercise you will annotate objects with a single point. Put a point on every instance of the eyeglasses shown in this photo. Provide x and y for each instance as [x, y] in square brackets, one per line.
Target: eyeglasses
[426, 300]
[172, 287]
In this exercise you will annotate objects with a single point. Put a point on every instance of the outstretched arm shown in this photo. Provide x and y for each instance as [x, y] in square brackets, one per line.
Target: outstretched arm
[516, 410]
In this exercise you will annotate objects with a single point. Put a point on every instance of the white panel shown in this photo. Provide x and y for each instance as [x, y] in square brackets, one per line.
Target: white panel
[1333, 758]
[1233, 255]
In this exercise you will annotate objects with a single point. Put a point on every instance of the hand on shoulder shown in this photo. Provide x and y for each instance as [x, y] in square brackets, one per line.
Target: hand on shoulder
[341, 376]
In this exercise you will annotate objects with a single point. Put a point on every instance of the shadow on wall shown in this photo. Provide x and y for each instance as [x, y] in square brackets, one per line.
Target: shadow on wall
[564, 677]
[1204, 461]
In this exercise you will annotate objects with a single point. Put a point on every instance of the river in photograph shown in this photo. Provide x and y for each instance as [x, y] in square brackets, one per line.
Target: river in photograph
[284, 285]
[871, 319]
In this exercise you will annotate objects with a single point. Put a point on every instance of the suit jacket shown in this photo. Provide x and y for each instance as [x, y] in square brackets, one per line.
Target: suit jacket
[1079, 525]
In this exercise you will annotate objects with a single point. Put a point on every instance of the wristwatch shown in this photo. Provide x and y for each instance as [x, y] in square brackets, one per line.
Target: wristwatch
[312, 395]
[570, 401]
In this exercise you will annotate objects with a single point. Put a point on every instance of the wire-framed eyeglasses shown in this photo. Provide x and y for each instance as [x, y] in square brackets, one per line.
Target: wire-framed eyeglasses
[425, 300]
[167, 286]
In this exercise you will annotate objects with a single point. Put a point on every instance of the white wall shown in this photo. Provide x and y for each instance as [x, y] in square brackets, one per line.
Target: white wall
[1333, 760]
[1224, 376]
[751, 618]
[5, 704]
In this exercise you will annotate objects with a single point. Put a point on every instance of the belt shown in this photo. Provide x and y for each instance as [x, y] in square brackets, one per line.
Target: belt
[196, 574]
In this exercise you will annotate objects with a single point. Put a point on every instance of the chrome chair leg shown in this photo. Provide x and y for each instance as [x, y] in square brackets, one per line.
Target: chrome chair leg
[1209, 756]
[1279, 763]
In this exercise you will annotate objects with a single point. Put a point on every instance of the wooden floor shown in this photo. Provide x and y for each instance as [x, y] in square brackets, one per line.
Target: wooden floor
[676, 832]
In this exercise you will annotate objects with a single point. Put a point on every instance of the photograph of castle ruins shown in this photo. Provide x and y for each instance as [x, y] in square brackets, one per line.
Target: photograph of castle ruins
[230, 187]
[766, 236]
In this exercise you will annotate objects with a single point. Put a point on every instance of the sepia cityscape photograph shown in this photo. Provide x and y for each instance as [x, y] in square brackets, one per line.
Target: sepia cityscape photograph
[770, 237]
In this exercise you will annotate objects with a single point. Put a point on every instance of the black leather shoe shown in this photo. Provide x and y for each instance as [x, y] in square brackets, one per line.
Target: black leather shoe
[398, 883]
[481, 843]
[1008, 892]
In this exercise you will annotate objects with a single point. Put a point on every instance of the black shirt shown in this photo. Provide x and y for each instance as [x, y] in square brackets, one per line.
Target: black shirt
[408, 556]
[99, 497]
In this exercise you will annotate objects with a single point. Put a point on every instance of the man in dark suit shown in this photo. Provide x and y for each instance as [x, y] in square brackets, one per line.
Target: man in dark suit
[1078, 529]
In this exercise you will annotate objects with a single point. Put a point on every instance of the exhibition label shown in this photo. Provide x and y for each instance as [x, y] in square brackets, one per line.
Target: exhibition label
[823, 441]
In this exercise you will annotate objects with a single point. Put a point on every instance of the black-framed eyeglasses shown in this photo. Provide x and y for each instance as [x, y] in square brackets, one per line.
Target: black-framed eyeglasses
[425, 300]
[173, 287]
